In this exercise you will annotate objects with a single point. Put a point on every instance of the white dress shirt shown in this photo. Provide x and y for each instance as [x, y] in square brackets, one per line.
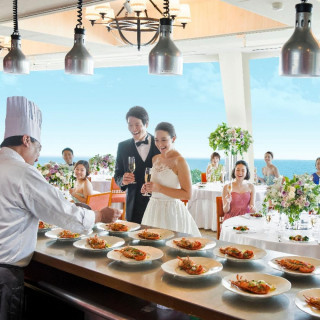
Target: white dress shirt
[144, 149]
[25, 198]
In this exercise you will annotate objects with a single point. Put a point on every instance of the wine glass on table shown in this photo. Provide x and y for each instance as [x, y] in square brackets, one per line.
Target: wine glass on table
[132, 165]
[147, 178]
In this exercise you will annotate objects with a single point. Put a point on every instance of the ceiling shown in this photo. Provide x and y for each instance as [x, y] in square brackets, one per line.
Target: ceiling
[252, 27]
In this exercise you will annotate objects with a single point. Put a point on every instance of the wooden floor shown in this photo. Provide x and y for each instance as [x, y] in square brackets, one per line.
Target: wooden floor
[208, 233]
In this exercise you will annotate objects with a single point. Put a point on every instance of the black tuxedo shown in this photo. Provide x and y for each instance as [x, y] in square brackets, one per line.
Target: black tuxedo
[136, 203]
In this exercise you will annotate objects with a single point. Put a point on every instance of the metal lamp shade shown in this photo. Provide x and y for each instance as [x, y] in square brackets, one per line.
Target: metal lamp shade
[78, 60]
[165, 58]
[300, 55]
[15, 61]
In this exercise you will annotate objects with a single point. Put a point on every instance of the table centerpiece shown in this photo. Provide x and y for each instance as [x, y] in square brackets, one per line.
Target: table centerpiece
[104, 164]
[293, 196]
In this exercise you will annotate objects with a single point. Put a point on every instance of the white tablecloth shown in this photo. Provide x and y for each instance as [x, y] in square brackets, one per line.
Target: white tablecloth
[202, 204]
[267, 237]
[100, 183]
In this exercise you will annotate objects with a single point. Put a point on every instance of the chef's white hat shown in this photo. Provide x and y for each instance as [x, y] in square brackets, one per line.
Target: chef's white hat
[23, 117]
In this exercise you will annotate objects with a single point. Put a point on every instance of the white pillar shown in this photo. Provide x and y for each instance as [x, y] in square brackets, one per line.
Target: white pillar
[235, 75]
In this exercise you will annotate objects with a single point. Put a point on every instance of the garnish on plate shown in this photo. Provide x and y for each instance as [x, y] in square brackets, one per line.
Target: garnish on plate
[299, 237]
[147, 235]
[97, 243]
[241, 228]
[253, 286]
[188, 244]
[296, 265]
[67, 234]
[133, 253]
[43, 225]
[313, 302]
[256, 215]
[117, 227]
[236, 253]
[190, 266]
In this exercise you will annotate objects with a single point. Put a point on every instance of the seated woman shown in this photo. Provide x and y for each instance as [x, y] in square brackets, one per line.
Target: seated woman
[83, 187]
[270, 171]
[316, 175]
[238, 197]
[170, 183]
[215, 171]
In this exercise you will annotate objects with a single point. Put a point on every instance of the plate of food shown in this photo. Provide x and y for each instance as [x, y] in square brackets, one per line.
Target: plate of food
[195, 267]
[99, 243]
[135, 254]
[151, 234]
[243, 229]
[44, 227]
[299, 239]
[256, 285]
[240, 253]
[120, 226]
[256, 215]
[296, 265]
[309, 301]
[65, 235]
[191, 244]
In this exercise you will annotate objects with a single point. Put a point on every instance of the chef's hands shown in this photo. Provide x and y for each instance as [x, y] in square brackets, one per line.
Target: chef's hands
[128, 178]
[107, 215]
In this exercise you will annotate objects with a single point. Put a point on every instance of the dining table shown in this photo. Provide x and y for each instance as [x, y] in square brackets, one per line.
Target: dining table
[269, 235]
[202, 204]
[100, 183]
[93, 282]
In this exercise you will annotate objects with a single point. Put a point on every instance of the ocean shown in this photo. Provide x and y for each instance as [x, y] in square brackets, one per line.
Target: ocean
[286, 167]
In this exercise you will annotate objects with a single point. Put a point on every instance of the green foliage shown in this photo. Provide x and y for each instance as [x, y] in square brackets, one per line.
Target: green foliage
[195, 176]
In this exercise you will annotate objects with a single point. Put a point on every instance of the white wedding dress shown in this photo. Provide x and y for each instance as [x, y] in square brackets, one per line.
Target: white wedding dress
[166, 212]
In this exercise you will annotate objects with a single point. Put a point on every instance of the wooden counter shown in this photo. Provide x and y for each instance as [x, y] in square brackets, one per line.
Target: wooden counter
[205, 298]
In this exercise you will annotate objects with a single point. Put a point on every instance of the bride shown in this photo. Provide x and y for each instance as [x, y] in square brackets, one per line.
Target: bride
[170, 182]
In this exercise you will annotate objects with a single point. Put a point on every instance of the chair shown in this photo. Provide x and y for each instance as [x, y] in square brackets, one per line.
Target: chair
[99, 201]
[220, 215]
[117, 196]
[203, 177]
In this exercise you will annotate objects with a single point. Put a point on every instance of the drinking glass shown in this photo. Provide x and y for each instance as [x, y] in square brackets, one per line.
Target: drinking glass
[229, 188]
[132, 165]
[147, 178]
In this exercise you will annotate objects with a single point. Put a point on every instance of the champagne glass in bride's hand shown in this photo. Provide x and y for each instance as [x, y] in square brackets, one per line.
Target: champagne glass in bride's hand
[147, 178]
[132, 165]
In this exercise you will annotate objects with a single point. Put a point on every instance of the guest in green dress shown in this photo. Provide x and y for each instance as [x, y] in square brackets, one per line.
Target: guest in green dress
[215, 171]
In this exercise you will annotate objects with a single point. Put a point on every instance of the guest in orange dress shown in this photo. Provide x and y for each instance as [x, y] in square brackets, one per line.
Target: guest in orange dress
[238, 197]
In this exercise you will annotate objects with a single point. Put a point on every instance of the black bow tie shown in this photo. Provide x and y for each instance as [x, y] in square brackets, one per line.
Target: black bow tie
[139, 143]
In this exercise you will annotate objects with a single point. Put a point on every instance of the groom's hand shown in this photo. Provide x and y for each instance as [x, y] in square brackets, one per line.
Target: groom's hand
[127, 178]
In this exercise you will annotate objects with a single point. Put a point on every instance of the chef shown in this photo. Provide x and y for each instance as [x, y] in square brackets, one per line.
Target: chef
[27, 197]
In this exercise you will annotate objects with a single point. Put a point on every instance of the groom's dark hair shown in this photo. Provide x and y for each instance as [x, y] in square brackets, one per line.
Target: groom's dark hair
[138, 112]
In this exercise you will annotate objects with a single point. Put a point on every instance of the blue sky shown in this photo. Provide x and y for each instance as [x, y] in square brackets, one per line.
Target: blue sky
[88, 113]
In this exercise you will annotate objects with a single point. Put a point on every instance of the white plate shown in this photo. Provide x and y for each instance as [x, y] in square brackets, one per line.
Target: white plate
[113, 242]
[131, 226]
[172, 267]
[301, 302]
[45, 229]
[300, 242]
[315, 262]
[251, 230]
[53, 234]
[206, 244]
[152, 254]
[282, 285]
[258, 253]
[164, 234]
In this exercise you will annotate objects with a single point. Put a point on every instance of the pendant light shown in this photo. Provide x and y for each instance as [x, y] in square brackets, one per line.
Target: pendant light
[165, 58]
[15, 61]
[78, 60]
[300, 55]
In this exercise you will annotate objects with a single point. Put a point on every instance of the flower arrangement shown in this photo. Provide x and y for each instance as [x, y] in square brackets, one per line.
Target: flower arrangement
[230, 139]
[59, 175]
[99, 163]
[292, 196]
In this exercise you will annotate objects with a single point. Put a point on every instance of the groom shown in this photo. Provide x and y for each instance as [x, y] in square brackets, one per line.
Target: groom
[142, 147]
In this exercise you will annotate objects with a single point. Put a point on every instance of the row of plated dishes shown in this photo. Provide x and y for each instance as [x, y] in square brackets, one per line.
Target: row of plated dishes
[254, 285]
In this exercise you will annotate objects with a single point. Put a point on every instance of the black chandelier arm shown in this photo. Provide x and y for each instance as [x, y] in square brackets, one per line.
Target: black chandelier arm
[120, 11]
[153, 39]
[15, 17]
[138, 33]
[79, 14]
[123, 38]
[156, 7]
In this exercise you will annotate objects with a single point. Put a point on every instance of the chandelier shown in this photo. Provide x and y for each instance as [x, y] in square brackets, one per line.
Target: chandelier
[133, 16]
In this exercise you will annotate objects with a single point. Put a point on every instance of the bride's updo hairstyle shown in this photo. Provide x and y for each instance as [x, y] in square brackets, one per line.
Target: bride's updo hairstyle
[168, 127]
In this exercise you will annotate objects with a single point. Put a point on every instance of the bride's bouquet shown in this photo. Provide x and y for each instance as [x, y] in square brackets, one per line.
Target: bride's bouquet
[104, 164]
[56, 174]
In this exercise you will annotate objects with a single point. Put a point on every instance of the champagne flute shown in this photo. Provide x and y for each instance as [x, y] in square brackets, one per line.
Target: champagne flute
[147, 178]
[132, 165]
[229, 188]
